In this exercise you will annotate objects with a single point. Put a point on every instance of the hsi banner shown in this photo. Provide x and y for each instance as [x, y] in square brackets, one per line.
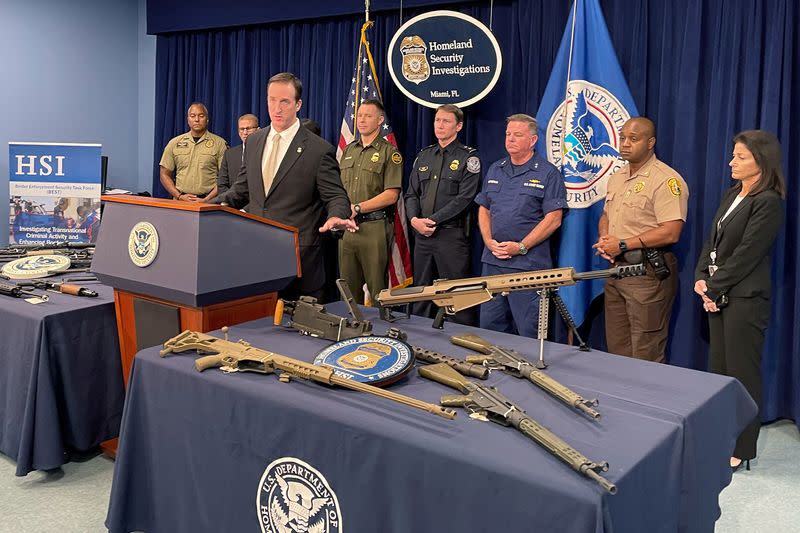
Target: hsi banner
[54, 192]
[585, 104]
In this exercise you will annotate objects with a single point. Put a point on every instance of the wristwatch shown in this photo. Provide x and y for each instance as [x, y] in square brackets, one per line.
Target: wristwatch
[623, 247]
[357, 209]
[522, 248]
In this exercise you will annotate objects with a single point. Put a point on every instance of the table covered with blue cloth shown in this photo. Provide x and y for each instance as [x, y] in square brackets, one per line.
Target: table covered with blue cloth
[195, 448]
[60, 377]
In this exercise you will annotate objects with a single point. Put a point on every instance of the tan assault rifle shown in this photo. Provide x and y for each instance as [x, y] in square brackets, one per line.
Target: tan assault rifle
[459, 294]
[242, 357]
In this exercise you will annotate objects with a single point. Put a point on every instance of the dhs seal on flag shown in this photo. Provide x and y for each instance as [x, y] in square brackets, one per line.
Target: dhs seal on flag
[294, 497]
[583, 140]
[444, 57]
[373, 359]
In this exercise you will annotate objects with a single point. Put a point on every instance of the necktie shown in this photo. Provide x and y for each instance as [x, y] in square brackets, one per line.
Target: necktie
[429, 200]
[271, 166]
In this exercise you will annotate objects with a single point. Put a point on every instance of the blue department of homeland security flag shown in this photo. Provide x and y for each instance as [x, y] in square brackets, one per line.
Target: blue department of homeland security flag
[584, 106]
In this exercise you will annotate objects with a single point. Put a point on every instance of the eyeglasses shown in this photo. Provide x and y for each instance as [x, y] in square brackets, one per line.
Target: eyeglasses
[250, 128]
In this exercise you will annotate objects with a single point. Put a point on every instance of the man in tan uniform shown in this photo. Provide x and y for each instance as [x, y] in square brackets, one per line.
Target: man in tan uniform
[195, 157]
[644, 213]
[372, 174]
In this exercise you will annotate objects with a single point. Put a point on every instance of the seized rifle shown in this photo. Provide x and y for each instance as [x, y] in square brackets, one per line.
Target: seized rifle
[242, 357]
[459, 294]
[64, 288]
[74, 250]
[18, 291]
[311, 318]
[486, 403]
[510, 362]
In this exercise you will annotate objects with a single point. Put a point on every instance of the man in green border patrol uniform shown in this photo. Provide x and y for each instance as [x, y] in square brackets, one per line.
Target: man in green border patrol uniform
[372, 174]
[443, 183]
[195, 157]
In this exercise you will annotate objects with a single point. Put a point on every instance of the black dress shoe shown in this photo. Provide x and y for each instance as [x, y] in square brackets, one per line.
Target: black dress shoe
[745, 462]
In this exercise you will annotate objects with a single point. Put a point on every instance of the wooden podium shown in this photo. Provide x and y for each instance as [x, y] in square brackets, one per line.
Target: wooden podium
[183, 265]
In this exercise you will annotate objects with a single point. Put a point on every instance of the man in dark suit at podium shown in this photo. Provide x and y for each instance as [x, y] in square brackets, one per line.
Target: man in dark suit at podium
[290, 175]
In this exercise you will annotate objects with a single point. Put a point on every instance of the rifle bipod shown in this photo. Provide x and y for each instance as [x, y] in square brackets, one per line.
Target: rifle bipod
[545, 295]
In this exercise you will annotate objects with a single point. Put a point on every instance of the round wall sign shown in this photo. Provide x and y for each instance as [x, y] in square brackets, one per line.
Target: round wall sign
[444, 57]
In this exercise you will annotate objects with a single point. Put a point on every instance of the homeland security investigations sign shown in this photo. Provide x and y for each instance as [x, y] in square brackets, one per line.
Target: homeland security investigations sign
[587, 151]
[444, 57]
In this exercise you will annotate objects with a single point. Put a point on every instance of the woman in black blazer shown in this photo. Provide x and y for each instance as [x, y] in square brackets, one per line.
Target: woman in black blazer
[733, 271]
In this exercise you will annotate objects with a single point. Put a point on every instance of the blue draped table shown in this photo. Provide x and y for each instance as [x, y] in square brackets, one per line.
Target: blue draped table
[194, 446]
[60, 377]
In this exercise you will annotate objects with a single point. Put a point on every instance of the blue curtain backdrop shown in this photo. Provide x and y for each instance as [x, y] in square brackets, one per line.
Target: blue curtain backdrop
[702, 70]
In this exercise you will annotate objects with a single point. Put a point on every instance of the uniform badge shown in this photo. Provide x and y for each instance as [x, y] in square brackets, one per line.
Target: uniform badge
[639, 187]
[375, 360]
[397, 158]
[473, 164]
[454, 164]
[143, 244]
[415, 61]
[674, 186]
[423, 169]
[209, 143]
[182, 144]
[375, 157]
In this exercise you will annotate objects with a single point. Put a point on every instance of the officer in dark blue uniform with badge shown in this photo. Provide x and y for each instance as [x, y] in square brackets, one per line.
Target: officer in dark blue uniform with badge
[520, 207]
[442, 186]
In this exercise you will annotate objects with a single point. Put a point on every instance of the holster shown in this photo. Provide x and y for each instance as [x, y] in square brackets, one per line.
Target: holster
[653, 256]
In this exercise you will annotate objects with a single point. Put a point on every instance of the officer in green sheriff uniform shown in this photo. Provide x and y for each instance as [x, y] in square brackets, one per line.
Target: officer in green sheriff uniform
[372, 174]
[191, 161]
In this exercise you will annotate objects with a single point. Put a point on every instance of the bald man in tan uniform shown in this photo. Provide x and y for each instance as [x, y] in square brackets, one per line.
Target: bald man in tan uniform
[645, 209]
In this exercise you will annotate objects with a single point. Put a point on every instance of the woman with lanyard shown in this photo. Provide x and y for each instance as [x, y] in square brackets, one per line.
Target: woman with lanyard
[733, 271]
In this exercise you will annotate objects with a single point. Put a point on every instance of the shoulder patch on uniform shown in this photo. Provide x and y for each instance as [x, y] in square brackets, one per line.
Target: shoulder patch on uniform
[473, 164]
[454, 164]
[639, 187]
[397, 158]
[674, 186]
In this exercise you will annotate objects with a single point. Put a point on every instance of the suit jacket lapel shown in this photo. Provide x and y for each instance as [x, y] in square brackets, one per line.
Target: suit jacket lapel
[293, 153]
[736, 210]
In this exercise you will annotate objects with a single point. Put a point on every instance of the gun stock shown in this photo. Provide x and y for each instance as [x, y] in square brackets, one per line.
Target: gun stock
[442, 373]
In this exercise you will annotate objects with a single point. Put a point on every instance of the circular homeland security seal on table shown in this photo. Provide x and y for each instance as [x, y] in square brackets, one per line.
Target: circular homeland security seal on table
[143, 244]
[373, 359]
[589, 152]
[444, 57]
[294, 497]
[36, 266]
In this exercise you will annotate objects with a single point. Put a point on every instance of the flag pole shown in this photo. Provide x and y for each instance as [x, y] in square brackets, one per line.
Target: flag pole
[569, 73]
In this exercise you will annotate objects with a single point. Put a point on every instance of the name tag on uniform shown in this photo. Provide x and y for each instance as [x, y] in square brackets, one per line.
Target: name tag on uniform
[492, 182]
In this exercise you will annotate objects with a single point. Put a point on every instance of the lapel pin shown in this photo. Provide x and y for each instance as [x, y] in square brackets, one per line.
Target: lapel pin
[299, 149]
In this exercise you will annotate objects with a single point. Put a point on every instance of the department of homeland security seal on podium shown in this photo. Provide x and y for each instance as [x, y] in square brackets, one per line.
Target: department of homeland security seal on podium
[444, 57]
[294, 497]
[372, 359]
[143, 244]
[589, 153]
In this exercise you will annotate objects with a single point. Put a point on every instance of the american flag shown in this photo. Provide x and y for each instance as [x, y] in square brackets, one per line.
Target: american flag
[365, 86]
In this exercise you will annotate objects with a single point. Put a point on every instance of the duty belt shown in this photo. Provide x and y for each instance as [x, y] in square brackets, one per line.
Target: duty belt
[380, 214]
